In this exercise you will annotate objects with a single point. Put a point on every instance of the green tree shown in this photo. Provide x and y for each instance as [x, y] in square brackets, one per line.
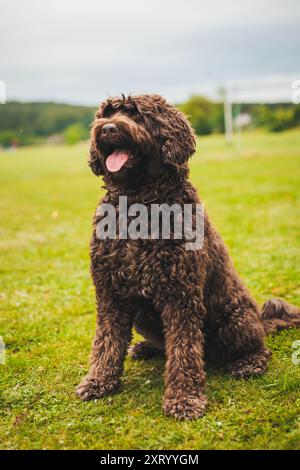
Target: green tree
[74, 133]
[8, 138]
[205, 116]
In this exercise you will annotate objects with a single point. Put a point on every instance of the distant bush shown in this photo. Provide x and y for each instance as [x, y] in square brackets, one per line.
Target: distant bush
[74, 133]
[11, 138]
[204, 115]
[8, 138]
[277, 117]
[281, 119]
[297, 115]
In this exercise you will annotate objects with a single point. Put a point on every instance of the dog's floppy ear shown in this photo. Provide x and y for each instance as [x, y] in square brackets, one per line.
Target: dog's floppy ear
[180, 142]
[94, 160]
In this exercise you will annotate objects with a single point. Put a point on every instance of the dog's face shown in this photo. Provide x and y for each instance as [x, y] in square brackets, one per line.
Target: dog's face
[136, 138]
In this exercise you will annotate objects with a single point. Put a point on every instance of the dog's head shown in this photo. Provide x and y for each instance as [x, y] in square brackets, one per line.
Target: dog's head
[139, 136]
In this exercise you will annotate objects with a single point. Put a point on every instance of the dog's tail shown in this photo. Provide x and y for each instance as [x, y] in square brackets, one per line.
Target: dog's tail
[279, 315]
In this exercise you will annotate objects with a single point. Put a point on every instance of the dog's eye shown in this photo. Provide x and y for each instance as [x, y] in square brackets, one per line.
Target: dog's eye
[108, 110]
[129, 110]
[134, 112]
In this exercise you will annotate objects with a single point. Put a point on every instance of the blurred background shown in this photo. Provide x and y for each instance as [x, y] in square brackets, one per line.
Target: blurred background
[59, 59]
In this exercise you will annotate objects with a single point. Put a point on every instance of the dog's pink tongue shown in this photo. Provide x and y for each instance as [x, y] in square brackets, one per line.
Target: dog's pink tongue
[116, 160]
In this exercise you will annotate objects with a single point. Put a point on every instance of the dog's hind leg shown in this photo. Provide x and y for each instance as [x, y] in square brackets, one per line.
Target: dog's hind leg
[276, 315]
[250, 365]
[239, 340]
[144, 350]
[235, 333]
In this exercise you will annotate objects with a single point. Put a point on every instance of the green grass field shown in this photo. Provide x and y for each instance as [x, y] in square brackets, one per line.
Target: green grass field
[47, 197]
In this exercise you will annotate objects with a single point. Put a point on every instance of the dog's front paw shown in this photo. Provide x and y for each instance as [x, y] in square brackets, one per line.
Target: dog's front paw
[93, 388]
[185, 407]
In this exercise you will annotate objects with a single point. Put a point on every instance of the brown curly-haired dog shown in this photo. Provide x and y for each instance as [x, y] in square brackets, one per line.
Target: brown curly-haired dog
[190, 305]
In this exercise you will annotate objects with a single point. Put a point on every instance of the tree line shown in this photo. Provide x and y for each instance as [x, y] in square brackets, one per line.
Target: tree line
[29, 123]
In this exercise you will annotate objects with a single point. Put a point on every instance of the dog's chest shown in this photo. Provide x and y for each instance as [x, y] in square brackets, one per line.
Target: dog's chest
[127, 268]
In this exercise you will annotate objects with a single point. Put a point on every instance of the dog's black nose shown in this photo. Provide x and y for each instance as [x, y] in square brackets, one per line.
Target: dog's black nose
[109, 128]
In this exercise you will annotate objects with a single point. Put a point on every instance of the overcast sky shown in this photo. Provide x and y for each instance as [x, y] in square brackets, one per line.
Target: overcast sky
[80, 51]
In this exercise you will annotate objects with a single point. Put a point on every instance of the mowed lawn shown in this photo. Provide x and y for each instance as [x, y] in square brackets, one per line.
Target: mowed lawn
[47, 196]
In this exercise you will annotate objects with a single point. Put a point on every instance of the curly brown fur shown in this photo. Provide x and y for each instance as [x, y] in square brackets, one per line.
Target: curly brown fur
[191, 305]
[278, 315]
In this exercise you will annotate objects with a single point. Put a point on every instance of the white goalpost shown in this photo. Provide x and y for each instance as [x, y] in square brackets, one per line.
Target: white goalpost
[267, 90]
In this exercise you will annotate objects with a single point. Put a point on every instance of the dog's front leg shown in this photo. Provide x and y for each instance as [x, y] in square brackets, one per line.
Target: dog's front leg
[110, 345]
[184, 374]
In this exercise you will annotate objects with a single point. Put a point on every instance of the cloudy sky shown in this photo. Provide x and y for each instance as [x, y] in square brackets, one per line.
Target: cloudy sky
[80, 51]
